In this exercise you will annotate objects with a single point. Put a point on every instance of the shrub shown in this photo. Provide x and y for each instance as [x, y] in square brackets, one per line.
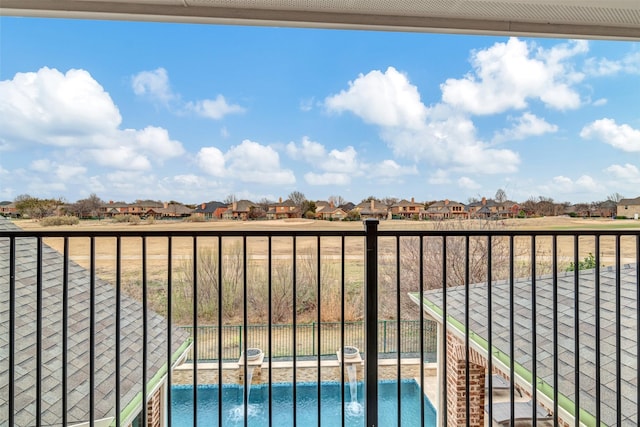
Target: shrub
[132, 219]
[151, 220]
[588, 263]
[53, 221]
[620, 217]
[195, 218]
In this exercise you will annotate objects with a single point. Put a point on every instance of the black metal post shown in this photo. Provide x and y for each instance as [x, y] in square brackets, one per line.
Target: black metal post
[371, 323]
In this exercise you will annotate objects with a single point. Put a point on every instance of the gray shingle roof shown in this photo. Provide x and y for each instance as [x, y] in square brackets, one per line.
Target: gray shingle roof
[78, 339]
[524, 352]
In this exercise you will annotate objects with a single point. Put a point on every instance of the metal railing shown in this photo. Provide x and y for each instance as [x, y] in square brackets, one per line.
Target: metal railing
[308, 344]
[89, 318]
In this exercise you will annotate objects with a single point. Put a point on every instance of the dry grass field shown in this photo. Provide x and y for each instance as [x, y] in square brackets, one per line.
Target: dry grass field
[306, 247]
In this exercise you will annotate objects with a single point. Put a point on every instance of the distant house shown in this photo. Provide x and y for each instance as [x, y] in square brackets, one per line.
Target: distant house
[239, 210]
[170, 210]
[447, 209]
[8, 209]
[327, 211]
[78, 343]
[140, 208]
[407, 209]
[372, 209]
[210, 210]
[283, 210]
[628, 207]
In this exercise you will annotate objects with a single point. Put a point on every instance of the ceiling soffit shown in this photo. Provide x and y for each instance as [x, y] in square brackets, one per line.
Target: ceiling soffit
[613, 19]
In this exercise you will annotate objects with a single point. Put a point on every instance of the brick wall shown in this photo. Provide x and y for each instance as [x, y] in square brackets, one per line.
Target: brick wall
[456, 384]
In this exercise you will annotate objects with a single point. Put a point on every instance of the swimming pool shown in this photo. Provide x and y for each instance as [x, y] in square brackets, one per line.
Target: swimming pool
[306, 408]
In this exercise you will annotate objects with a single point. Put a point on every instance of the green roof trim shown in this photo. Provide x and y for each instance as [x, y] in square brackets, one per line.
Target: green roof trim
[136, 402]
[545, 388]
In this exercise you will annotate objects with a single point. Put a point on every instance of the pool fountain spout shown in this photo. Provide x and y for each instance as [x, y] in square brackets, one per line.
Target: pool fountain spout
[253, 358]
[350, 356]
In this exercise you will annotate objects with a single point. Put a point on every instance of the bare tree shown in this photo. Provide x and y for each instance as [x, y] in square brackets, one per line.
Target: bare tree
[89, 207]
[501, 196]
[615, 197]
[230, 199]
[337, 200]
[389, 201]
[297, 197]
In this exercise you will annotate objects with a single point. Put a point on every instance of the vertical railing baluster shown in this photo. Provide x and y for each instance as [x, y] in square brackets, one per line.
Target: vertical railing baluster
[618, 334]
[421, 327]
[270, 314]
[371, 321]
[443, 396]
[467, 351]
[554, 254]
[169, 326]
[295, 331]
[65, 326]
[489, 377]
[512, 332]
[12, 329]
[245, 323]
[144, 331]
[92, 330]
[117, 322]
[398, 332]
[597, 331]
[534, 333]
[195, 328]
[576, 327]
[39, 332]
[637, 323]
[319, 309]
[342, 323]
[220, 330]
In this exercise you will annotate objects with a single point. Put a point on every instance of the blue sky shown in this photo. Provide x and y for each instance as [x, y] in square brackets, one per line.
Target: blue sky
[195, 113]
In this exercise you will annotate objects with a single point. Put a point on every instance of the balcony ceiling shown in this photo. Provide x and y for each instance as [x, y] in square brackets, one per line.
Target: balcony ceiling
[600, 19]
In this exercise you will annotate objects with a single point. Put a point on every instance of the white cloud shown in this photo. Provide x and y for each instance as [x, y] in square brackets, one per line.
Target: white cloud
[623, 137]
[66, 173]
[42, 165]
[439, 177]
[600, 102]
[73, 111]
[390, 169]
[629, 64]
[307, 104]
[386, 99]
[524, 126]
[248, 162]
[154, 84]
[328, 178]
[468, 183]
[628, 173]
[156, 141]
[585, 184]
[507, 75]
[52, 108]
[122, 157]
[211, 161]
[214, 108]
[439, 135]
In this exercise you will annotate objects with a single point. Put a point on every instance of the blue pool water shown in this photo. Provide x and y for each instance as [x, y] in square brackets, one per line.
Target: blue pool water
[306, 408]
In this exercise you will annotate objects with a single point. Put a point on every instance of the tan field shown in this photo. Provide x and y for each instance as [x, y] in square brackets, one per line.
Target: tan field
[257, 248]
[282, 249]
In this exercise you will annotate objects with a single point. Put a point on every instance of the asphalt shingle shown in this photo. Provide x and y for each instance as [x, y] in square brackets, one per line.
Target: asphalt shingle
[78, 338]
[525, 354]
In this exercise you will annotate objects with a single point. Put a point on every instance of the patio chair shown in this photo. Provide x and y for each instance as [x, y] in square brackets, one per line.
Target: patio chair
[499, 383]
[522, 411]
